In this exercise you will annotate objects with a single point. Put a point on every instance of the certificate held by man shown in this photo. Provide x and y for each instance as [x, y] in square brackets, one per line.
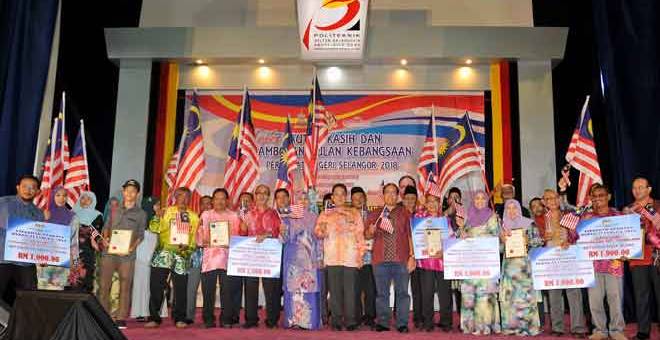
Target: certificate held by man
[516, 244]
[611, 237]
[247, 257]
[427, 236]
[180, 229]
[120, 242]
[219, 232]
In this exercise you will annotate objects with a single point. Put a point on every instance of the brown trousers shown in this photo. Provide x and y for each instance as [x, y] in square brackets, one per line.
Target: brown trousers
[125, 271]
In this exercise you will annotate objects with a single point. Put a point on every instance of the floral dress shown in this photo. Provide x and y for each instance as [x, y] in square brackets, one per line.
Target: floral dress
[480, 312]
[301, 275]
[518, 299]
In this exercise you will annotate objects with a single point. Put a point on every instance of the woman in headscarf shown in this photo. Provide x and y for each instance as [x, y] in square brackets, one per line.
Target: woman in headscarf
[91, 222]
[301, 268]
[480, 313]
[53, 277]
[518, 299]
[144, 253]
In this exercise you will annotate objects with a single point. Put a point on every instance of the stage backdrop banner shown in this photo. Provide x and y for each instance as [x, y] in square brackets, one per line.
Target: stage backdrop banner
[377, 139]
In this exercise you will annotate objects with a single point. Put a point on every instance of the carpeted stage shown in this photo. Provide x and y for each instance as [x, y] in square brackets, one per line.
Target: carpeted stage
[198, 332]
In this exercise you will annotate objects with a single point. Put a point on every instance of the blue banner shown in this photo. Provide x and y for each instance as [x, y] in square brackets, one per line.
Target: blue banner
[247, 257]
[612, 237]
[557, 268]
[37, 242]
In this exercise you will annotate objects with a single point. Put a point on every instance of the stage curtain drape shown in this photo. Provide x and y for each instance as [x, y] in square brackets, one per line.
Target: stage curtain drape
[627, 38]
[26, 34]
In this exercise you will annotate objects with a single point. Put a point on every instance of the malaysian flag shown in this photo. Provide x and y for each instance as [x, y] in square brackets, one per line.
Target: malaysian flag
[288, 162]
[319, 125]
[582, 155]
[570, 220]
[459, 156]
[293, 211]
[56, 160]
[650, 214]
[427, 168]
[385, 222]
[191, 164]
[242, 167]
[77, 177]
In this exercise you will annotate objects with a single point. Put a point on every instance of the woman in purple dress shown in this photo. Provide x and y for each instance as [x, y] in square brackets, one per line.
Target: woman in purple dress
[301, 264]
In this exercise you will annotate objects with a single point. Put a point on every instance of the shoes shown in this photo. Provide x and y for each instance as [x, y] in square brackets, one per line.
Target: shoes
[403, 329]
[337, 328]
[598, 336]
[381, 328]
[618, 336]
[141, 319]
[556, 334]
[121, 324]
[180, 325]
[249, 325]
[352, 328]
[580, 335]
[209, 325]
[428, 329]
[151, 324]
[447, 329]
[270, 325]
[189, 321]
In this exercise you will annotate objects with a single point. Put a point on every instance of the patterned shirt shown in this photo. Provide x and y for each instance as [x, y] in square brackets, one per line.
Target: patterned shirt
[614, 267]
[216, 257]
[344, 244]
[14, 206]
[168, 255]
[260, 222]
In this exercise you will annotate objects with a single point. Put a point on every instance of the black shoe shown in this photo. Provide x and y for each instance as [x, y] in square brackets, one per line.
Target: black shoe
[557, 334]
[352, 328]
[141, 319]
[189, 321]
[369, 323]
[248, 325]
[447, 329]
[121, 324]
[337, 328]
[403, 329]
[381, 328]
[271, 325]
[209, 325]
[428, 329]
[226, 325]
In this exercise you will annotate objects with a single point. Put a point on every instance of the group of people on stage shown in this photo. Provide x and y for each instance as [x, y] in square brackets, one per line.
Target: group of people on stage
[338, 265]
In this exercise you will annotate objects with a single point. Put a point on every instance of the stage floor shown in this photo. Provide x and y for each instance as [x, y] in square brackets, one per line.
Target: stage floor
[197, 331]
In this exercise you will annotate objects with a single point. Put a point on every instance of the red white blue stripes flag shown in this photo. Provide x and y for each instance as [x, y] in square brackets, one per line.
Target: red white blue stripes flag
[427, 168]
[191, 163]
[242, 167]
[56, 159]
[77, 177]
[459, 156]
[582, 155]
[288, 162]
[319, 125]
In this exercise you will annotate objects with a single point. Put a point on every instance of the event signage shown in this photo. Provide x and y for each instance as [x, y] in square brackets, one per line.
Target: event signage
[427, 235]
[332, 30]
[471, 258]
[557, 268]
[37, 242]
[247, 257]
[612, 237]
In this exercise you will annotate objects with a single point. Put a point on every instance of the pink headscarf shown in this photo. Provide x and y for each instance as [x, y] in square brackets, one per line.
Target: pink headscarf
[519, 221]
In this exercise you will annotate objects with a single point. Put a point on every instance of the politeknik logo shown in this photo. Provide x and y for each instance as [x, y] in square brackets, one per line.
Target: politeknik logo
[327, 11]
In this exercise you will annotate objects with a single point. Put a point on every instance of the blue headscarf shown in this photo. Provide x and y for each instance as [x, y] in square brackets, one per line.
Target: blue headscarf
[89, 214]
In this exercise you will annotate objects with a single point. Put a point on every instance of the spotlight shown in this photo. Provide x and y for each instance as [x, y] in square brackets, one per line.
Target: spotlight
[199, 61]
[261, 61]
[404, 62]
[468, 61]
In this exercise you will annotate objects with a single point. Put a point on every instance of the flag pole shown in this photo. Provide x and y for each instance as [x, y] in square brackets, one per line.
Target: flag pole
[312, 116]
[481, 163]
[84, 149]
[435, 145]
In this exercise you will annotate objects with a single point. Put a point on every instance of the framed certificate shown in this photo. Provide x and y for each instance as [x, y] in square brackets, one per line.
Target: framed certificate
[219, 232]
[433, 241]
[120, 242]
[178, 235]
[515, 245]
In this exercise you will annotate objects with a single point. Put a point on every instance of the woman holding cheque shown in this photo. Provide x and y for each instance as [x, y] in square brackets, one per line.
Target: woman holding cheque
[518, 298]
[218, 225]
[480, 313]
[301, 267]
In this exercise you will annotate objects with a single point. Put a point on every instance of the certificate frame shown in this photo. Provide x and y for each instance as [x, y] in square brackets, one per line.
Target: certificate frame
[219, 234]
[120, 241]
[516, 244]
[178, 239]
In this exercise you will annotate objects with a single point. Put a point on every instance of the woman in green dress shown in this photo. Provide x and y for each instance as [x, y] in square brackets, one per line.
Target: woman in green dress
[518, 299]
[480, 313]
